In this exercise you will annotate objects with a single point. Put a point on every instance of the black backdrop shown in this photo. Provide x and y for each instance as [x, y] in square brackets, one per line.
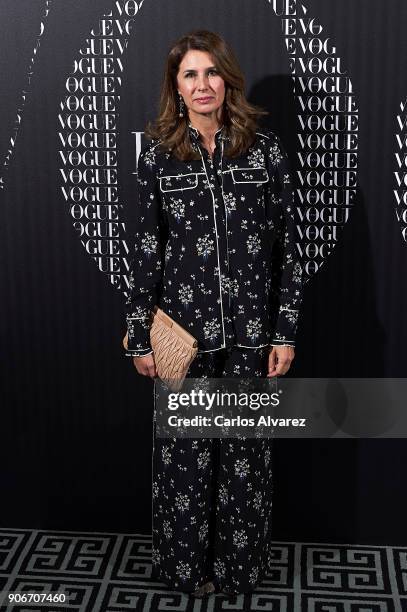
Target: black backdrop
[75, 416]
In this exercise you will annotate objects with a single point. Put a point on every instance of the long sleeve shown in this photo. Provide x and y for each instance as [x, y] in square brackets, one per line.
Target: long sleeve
[287, 281]
[146, 263]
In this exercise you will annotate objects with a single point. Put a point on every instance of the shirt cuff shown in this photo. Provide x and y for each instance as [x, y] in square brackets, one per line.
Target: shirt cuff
[138, 336]
[286, 327]
[139, 353]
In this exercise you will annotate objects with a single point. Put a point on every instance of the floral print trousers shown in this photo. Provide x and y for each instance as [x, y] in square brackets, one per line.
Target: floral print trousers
[212, 497]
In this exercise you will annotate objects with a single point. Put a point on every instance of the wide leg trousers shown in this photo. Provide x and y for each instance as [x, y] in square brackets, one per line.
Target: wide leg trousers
[212, 497]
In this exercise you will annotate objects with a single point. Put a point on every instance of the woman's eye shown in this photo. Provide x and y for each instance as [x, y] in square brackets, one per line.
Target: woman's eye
[191, 74]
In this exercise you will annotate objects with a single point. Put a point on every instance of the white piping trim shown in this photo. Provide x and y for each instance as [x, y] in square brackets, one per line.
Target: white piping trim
[261, 134]
[179, 175]
[197, 131]
[160, 178]
[226, 216]
[138, 354]
[249, 347]
[250, 168]
[232, 170]
[239, 345]
[212, 350]
[217, 246]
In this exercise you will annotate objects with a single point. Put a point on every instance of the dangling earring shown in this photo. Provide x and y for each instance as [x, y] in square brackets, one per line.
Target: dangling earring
[181, 106]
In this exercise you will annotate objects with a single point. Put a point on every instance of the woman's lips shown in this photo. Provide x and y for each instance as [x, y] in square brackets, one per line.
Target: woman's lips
[204, 100]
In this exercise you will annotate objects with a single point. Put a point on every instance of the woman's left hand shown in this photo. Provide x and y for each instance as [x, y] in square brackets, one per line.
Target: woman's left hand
[280, 358]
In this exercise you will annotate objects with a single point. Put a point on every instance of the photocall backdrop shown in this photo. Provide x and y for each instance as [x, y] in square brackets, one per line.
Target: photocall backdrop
[79, 80]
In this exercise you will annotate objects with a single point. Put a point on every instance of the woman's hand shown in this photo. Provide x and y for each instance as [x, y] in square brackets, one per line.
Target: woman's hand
[145, 365]
[280, 358]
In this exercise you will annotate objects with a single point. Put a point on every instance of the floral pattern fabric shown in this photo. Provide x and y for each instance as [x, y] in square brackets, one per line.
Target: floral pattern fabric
[212, 497]
[215, 246]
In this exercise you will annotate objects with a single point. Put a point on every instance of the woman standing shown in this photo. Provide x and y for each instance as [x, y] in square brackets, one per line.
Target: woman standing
[215, 249]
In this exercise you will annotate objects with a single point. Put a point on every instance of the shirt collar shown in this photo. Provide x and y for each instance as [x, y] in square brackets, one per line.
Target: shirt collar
[219, 134]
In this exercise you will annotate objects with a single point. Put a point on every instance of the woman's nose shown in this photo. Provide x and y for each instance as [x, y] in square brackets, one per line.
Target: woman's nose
[202, 82]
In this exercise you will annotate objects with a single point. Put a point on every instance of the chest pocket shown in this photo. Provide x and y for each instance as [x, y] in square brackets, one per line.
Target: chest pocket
[250, 175]
[178, 182]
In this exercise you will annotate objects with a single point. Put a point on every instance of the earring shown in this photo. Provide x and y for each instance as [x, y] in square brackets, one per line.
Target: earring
[181, 106]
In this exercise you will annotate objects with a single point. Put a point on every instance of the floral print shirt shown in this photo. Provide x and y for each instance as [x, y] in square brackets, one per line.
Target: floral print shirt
[215, 246]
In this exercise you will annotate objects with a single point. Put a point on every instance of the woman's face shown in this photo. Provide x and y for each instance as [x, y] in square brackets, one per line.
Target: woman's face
[200, 84]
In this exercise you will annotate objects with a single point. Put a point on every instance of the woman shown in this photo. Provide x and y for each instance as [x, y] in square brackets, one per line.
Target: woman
[215, 249]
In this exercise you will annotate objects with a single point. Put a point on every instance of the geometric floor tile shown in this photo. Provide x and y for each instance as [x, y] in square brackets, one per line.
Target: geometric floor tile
[61, 571]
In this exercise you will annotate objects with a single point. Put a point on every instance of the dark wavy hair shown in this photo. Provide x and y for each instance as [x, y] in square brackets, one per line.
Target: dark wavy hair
[240, 118]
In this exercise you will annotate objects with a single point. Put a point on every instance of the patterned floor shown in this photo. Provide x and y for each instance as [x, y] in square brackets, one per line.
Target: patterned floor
[111, 573]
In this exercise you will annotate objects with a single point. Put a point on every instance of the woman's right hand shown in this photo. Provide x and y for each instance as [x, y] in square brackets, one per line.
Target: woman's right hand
[145, 365]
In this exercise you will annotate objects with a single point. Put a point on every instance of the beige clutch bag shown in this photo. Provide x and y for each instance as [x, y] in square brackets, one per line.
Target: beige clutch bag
[174, 349]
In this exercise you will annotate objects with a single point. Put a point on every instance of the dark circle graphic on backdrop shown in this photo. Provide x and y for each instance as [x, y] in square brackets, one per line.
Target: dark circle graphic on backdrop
[327, 133]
